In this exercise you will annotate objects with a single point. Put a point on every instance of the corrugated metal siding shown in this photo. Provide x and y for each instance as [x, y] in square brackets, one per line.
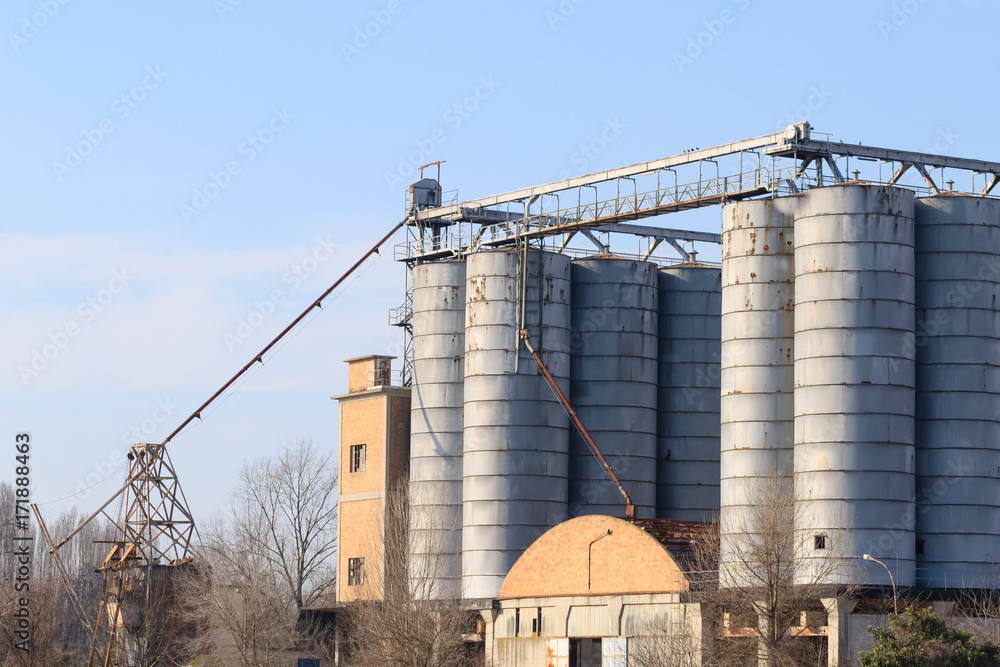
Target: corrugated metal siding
[638, 619]
[589, 621]
[522, 652]
[504, 626]
[614, 652]
[557, 652]
[550, 622]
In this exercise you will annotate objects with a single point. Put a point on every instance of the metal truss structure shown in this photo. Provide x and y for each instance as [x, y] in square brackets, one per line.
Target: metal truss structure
[157, 534]
[148, 555]
[603, 206]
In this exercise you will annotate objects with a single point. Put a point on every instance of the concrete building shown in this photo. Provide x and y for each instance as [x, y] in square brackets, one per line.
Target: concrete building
[374, 455]
[586, 587]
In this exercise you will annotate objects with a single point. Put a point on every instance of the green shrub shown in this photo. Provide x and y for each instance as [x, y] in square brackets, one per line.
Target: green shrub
[918, 638]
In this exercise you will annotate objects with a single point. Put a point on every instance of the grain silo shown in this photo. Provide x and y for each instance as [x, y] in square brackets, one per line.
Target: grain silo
[436, 426]
[854, 383]
[958, 391]
[758, 281]
[515, 465]
[613, 383]
[687, 469]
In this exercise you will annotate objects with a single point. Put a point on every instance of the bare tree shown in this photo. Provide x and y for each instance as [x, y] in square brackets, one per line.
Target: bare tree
[754, 613]
[251, 612]
[665, 642]
[292, 518]
[396, 620]
[271, 556]
[58, 637]
[978, 611]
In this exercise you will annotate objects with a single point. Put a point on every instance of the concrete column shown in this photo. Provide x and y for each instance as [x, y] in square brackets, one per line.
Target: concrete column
[489, 619]
[562, 613]
[763, 630]
[838, 642]
[615, 608]
[701, 628]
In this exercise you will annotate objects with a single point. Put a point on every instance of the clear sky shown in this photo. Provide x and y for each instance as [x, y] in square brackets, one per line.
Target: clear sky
[170, 169]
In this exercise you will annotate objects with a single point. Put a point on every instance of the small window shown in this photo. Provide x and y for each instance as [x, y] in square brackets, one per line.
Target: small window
[359, 458]
[920, 547]
[819, 541]
[536, 624]
[355, 571]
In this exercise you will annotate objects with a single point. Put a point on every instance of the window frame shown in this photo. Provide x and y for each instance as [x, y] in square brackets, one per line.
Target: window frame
[358, 461]
[356, 571]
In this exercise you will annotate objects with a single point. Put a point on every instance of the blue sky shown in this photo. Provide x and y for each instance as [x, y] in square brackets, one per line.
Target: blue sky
[170, 169]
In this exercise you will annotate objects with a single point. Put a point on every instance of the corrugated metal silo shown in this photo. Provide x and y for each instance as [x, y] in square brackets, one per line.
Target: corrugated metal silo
[613, 384]
[436, 427]
[515, 466]
[758, 281]
[854, 383]
[687, 469]
[958, 391]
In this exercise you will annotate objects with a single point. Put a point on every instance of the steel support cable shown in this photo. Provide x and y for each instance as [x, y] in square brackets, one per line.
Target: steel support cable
[374, 250]
[253, 371]
[259, 356]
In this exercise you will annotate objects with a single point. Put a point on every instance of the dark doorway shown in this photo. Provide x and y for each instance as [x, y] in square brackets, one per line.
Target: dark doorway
[585, 652]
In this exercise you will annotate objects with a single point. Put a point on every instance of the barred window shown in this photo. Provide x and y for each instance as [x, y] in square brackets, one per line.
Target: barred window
[355, 571]
[359, 458]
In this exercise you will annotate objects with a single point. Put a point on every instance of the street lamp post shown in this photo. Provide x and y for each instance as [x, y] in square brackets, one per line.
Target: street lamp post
[895, 605]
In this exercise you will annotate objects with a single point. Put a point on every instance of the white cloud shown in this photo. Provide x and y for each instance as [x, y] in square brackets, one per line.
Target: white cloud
[165, 327]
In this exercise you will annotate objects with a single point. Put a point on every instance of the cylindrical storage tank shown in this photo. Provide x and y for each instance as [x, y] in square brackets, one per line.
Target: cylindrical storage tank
[436, 427]
[958, 391]
[613, 370]
[854, 384]
[758, 326]
[687, 467]
[515, 466]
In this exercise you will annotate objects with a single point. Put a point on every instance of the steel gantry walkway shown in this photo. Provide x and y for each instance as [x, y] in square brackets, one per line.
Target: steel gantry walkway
[593, 208]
